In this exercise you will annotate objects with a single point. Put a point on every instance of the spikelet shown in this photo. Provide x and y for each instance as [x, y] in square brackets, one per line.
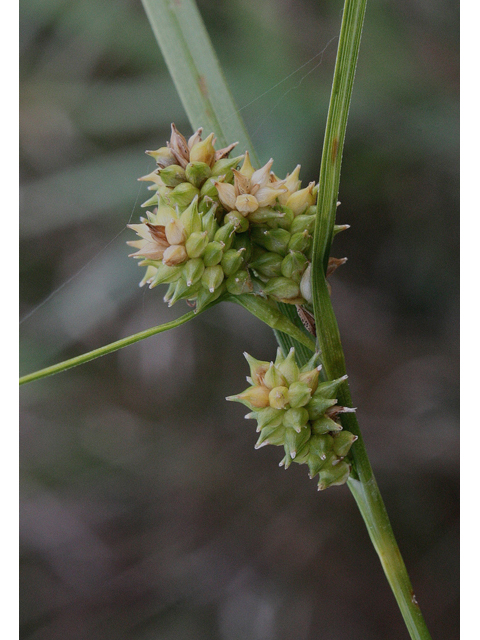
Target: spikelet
[294, 410]
[218, 225]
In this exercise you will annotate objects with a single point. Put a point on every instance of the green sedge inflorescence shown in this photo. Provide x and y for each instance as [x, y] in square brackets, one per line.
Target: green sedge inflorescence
[295, 410]
[218, 225]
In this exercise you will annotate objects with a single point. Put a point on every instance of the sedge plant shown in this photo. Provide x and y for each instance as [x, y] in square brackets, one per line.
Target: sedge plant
[220, 227]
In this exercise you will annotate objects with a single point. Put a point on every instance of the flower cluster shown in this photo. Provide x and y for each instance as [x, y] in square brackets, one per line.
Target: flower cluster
[294, 410]
[220, 227]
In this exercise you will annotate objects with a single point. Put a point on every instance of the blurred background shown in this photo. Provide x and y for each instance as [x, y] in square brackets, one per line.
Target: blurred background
[146, 514]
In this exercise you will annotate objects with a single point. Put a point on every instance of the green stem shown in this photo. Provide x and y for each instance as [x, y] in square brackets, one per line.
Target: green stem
[362, 483]
[110, 348]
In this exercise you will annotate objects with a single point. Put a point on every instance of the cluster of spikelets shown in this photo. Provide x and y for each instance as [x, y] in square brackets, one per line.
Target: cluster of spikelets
[294, 410]
[218, 225]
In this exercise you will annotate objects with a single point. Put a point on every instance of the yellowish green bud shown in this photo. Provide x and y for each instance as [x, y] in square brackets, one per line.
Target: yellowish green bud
[267, 196]
[321, 445]
[164, 214]
[273, 377]
[258, 368]
[151, 202]
[265, 215]
[300, 242]
[209, 223]
[342, 442]
[269, 435]
[196, 244]
[154, 177]
[299, 394]
[318, 405]
[303, 223]
[193, 271]
[253, 397]
[295, 418]
[239, 222]
[191, 219]
[279, 397]
[242, 241]
[310, 378]
[261, 176]
[302, 452]
[203, 151]
[197, 173]
[300, 200]
[205, 297]
[284, 222]
[333, 475]
[205, 204]
[293, 265]
[183, 194]
[289, 367]
[209, 189]
[246, 168]
[268, 264]
[149, 275]
[271, 239]
[225, 235]
[340, 227]
[213, 254]
[163, 156]
[269, 417]
[285, 417]
[282, 289]
[295, 441]
[226, 194]
[292, 184]
[164, 274]
[175, 232]
[246, 204]
[314, 464]
[232, 261]
[239, 283]
[181, 289]
[324, 424]
[212, 278]
[329, 388]
[174, 255]
[170, 291]
[173, 175]
[224, 166]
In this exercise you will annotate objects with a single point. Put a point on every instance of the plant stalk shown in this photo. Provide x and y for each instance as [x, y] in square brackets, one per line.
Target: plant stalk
[362, 483]
[205, 95]
[110, 348]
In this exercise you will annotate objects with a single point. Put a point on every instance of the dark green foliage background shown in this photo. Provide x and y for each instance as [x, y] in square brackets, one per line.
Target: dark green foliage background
[146, 513]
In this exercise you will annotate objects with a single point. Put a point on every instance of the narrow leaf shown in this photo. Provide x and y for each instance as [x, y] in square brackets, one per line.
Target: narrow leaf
[110, 348]
[196, 72]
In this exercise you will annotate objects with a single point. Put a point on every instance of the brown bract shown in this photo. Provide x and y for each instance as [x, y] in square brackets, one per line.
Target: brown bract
[251, 189]
[159, 242]
[180, 151]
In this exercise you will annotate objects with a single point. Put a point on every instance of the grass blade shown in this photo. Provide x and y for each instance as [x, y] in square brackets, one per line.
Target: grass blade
[110, 348]
[196, 72]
